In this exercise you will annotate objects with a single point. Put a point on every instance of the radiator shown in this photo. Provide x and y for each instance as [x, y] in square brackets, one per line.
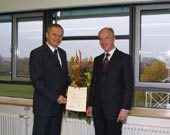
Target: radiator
[12, 124]
[133, 129]
[76, 127]
[80, 127]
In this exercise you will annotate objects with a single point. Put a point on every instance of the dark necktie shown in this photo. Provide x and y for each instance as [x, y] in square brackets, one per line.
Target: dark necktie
[56, 56]
[105, 61]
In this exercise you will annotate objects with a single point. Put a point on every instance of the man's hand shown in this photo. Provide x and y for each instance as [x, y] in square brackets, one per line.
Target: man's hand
[122, 115]
[89, 111]
[61, 100]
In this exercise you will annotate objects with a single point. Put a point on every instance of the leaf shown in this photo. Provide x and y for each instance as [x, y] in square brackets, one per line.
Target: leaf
[79, 115]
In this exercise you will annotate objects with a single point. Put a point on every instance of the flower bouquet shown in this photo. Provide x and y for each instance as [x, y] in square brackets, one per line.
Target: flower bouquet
[80, 72]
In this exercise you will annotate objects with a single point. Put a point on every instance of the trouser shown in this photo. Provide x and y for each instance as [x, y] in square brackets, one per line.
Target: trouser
[105, 126]
[47, 125]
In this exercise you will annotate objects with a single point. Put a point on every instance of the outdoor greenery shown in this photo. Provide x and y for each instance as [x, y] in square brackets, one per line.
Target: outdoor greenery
[15, 90]
[152, 70]
[139, 98]
[5, 77]
[155, 72]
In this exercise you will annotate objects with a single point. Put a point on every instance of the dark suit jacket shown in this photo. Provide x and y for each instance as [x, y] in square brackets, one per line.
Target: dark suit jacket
[48, 79]
[112, 90]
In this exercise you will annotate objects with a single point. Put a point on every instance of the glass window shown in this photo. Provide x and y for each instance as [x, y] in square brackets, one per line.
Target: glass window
[153, 51]
[88, 27]
[152, 56]
[152, 99]
[82, 22]
[5, 50]
[29, 33]
[90, 48]
[29, 37]
[82, 32]
[122, 45]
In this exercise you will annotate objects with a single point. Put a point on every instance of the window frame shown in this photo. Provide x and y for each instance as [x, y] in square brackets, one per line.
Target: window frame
[47, 21]
[14, 50]
[95, 37]
[7, 18]
[46, 17]
[149, 86]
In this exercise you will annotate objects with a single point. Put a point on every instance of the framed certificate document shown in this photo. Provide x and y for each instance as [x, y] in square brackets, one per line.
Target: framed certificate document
[76, 99]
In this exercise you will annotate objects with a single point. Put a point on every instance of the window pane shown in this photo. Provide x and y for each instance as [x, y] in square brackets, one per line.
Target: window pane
[5, 51]
[88, 27]
[90, 48]
[29, 37]
[122, 45]
[154, 49]
[139, 98]
[152, 99]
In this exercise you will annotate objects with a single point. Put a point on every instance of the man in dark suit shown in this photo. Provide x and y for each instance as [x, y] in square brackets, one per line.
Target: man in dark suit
[49, 76]
[111, 89]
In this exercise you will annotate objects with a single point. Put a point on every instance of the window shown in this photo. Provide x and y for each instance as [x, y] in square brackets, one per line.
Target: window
[28, 35]
[152, 56]
[81, 31]
[5, 47]
[14, 52]
[87, 26]
[81, 34]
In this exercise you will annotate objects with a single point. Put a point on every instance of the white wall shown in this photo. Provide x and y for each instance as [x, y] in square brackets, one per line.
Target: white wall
[27, 5]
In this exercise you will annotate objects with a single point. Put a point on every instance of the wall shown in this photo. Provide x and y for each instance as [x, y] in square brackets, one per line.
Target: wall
[27, 5]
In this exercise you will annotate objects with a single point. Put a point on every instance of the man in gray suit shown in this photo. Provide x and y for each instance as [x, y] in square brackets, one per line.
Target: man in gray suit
[111, 89]
[49, 76]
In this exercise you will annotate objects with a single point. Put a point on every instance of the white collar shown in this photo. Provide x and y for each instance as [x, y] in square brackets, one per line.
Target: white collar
[111, 52]
[51, 48]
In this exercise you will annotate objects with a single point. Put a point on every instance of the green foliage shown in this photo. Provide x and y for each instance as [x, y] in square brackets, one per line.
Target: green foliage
[23, 66]
[14, 90]
[140, 98]
[79, 115]
[155, 72]
[5, 77]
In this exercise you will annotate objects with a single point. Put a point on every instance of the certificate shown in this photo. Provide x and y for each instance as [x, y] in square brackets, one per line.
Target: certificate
[76, 99]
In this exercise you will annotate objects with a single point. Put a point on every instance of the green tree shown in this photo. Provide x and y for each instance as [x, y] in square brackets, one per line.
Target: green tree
[155, 72]
[24, 66]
